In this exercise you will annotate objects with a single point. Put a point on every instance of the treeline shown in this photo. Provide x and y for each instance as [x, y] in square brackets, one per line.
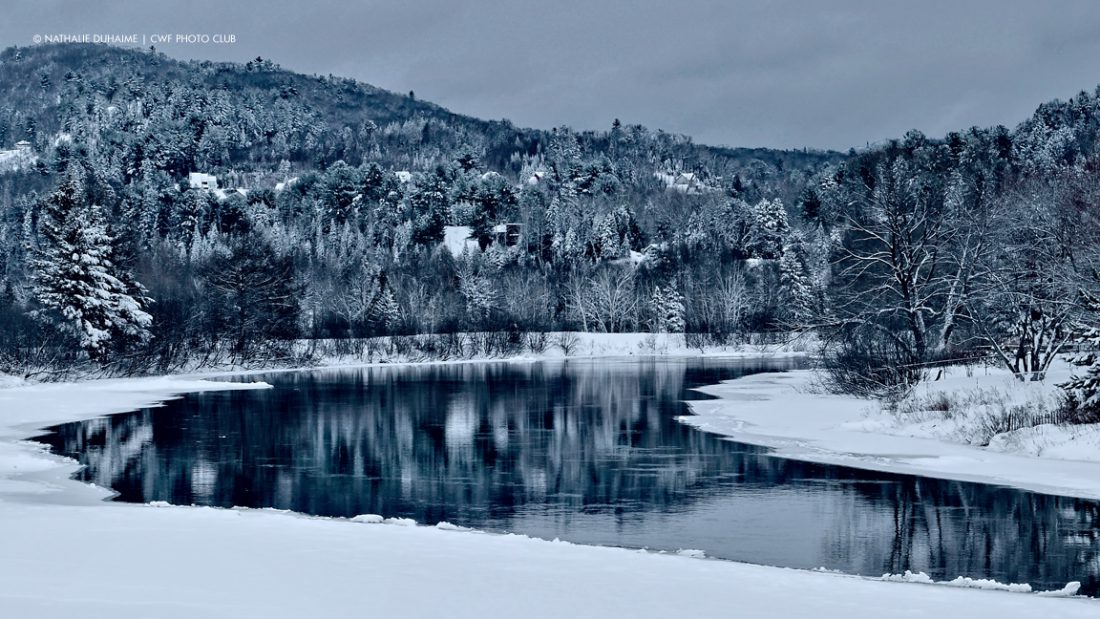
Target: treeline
[112, 259]
[359, 252]
[980, 245]
[348, 212]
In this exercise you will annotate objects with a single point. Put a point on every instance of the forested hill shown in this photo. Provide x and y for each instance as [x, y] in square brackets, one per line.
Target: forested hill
[157, 213]
[256, 115]
[357, 202]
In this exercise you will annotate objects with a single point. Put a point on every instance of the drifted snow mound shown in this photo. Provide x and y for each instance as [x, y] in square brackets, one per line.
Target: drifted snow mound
[446, 526]
[963, 582]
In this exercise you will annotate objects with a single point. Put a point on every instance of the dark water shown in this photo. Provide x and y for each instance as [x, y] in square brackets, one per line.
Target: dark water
[585, 451]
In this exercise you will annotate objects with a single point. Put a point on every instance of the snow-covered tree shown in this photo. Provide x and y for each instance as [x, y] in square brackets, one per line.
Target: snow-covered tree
[795, 283]
[768, 229]
[668, 307]
[386, 311]
[1085, 387]
[608, 238]
[606, 301]
[80, 288]
[476, 289]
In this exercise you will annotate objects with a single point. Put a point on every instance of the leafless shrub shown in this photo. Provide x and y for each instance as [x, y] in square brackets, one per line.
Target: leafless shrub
[981, 414]
[567, 341]
[537, 341]
[867, 365]
[1007, 417]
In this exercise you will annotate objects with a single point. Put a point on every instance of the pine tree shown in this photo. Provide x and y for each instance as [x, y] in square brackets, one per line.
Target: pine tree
[189, 216]
[1085, 389]
[386, 312]
[608, 237]
[674, 311]
[668, 307]
[76, 281]
[795, 286]
[255, 296]
[657, 303]
[769, 229]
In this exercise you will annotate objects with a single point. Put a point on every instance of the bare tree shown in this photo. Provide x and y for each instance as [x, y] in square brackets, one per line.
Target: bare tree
[718, 304]
[1028, 305]
[913, 260]
[605, 302]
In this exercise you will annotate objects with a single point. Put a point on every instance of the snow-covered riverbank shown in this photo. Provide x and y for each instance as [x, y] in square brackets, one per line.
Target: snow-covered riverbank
[471, 347]
[788, 412]
[66, 552]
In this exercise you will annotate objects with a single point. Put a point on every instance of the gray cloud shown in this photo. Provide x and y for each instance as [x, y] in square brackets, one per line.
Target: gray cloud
[744, 73]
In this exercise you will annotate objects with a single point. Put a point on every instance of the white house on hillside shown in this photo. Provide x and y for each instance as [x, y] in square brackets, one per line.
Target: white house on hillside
[198, 180]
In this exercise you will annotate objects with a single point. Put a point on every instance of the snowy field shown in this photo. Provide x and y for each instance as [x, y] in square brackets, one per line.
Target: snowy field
[789, 412]
[65, 553]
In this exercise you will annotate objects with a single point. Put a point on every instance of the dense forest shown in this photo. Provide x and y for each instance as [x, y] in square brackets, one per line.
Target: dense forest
[158, 214]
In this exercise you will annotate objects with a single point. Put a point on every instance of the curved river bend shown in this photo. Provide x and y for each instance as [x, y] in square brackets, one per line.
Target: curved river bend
[586, 451]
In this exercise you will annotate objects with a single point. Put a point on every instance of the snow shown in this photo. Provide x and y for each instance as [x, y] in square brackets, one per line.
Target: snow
[222, 194]
[963, 582]
[1051, 441]
[66, 553]
[634, 258]
[120, 561]
[684, 182]
[457, 240]
[789, 412]
[283, 185]
[978, 583]
[16, 159]
[587, 345]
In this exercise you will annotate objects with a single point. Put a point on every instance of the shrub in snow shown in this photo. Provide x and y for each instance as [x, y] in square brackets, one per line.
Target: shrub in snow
[858, 360]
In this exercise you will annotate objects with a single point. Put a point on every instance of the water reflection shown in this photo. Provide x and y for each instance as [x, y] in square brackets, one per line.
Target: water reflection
[584, 451]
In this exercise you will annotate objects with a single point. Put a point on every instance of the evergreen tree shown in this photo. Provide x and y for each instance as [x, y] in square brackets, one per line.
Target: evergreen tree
[657, 304]
[76, 281]
[428, 209]
[1085, 388]
[668, 307]
[608, 238]
[795, 286]
[768, 230]
[387, 313]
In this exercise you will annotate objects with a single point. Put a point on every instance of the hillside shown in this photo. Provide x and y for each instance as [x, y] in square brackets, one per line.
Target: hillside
[155, 212]
[311, 121]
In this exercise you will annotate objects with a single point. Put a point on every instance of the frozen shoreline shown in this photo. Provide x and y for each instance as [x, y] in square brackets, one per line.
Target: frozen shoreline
[68, 552]
[785, 412]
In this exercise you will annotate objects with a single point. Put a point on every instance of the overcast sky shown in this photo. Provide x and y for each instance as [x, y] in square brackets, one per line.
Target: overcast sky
[736, 72]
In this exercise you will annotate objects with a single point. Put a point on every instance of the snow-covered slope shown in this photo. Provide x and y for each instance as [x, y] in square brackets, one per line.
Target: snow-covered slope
[121, 561]
[788, 412]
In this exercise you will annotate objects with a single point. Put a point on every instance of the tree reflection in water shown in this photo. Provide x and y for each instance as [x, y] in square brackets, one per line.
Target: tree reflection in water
[583, 450]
